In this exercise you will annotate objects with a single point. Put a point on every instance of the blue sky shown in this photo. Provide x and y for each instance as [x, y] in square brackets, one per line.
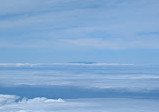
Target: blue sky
[110, 31]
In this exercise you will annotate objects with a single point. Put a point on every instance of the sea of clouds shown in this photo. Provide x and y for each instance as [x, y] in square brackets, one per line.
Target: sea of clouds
[128, 76]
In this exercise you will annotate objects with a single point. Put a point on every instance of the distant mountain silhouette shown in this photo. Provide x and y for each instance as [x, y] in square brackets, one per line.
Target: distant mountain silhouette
[83, 62]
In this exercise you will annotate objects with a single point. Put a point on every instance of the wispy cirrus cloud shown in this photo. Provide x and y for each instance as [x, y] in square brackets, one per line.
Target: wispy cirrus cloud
[46, 23]
[116, 44]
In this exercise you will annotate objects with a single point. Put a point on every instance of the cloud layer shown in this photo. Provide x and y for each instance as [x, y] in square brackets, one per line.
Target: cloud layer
[57, 64]
[130, 77]
[76, 105]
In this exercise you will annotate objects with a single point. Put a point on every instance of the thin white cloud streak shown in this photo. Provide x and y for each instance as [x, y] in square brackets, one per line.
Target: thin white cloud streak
[62, 64]
[77, 105]
[99, 43]
[116, 44]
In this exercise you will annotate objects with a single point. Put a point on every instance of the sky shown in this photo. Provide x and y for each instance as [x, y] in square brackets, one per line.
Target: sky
[107, 31]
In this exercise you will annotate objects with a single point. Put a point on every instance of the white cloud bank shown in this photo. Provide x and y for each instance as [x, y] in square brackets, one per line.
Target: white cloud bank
[10, 99]
[62, 64]
[77, 105]
[129, 77]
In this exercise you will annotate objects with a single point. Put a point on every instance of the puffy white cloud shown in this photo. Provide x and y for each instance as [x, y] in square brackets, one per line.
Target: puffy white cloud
[78, 105]
[7, 99]
[12, 103]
